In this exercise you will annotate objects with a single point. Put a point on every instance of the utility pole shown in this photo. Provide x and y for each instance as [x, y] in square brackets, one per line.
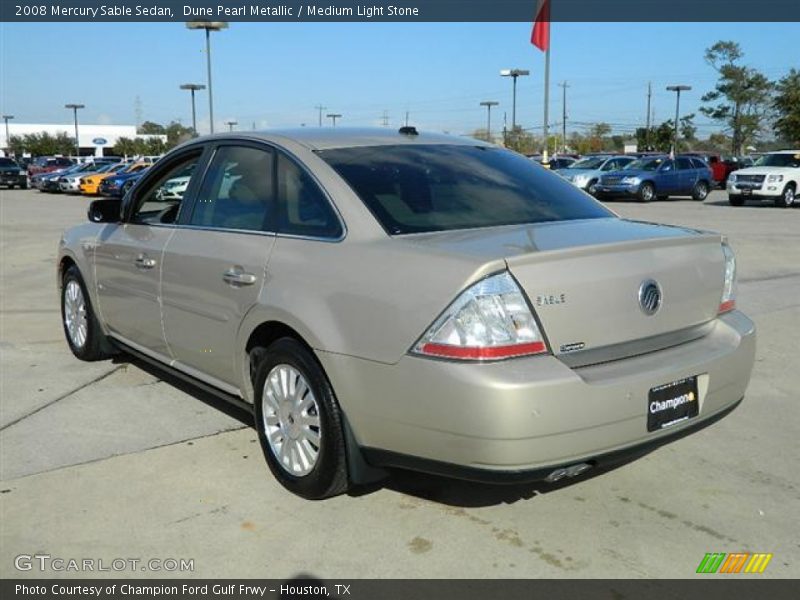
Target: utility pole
[231, 124]
[647, 130]
[406, 118]
[6, 118]
[563, 87]
[320, 108]
[677, 89]
[333, 117]
[385, 118]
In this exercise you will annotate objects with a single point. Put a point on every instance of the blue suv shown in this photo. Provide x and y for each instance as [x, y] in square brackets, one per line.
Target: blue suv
[659, 177]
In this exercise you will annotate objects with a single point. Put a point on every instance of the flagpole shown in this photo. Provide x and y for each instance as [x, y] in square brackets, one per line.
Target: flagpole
[545, 158]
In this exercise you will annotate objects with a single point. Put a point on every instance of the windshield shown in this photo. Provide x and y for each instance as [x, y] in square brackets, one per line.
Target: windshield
[593, 162]
[420, 188]
[7, 162]
[644, 164]
[779, 160]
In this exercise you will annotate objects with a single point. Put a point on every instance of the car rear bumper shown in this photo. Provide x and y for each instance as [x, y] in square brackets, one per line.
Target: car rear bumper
[520, 419]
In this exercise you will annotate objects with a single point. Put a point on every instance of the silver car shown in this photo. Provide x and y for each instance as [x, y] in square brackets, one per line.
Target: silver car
[586, 172]
[395, 299]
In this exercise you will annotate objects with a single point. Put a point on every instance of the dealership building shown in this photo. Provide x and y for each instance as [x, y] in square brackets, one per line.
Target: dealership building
[93, 139]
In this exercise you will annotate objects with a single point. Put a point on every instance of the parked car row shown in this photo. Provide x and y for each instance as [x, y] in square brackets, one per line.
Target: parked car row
[774, 176]
[645, 178]
[100, 176]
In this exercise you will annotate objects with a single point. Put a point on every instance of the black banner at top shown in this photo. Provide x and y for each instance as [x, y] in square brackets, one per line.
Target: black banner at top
[400, 10]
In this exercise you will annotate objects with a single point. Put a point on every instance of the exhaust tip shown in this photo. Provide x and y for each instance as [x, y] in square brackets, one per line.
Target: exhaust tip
[567, 472]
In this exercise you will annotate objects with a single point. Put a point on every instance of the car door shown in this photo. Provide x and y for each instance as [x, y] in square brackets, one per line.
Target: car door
[668, 179]
[214, 266]
[687, 174]
[128, 260]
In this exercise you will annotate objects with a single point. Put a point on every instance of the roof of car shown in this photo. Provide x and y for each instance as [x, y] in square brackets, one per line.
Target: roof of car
[322, 138]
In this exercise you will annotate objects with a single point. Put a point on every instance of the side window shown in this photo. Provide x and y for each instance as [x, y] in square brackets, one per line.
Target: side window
[666, 166]
[302, 207]
[160, 200]
[238, 190]
[684, 164]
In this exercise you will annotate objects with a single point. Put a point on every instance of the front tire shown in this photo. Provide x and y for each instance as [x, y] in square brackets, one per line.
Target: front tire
[700, 191]
[647, 192]
[592, 187]
[787, 198]
[81, 327]
[299, 423]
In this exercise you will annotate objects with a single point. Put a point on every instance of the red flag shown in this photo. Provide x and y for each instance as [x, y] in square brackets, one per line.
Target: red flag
[540, 36]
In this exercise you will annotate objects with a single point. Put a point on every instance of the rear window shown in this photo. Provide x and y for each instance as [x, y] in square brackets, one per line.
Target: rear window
[421, 188]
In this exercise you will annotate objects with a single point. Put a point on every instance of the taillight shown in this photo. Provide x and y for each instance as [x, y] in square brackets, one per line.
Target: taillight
[728, 300]
[490, 320]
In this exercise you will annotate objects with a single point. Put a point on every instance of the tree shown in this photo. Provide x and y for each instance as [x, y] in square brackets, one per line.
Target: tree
[177, 134]
[148, 127]
[787, 107]
[42, 144]
[741, 97]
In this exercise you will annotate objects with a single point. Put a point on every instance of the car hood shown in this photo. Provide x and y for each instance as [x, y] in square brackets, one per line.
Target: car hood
[629, 173]
[767, 171]
[577, 172]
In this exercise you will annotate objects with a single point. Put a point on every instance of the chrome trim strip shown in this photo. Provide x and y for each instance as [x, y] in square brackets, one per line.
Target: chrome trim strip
[594, 356]
[174, 364]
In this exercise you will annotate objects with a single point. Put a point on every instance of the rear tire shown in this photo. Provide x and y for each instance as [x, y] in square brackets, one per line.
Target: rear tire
[700, 191]
[735, 200]
[646, 192]
[787, 198]
[299, 423]
[81, 327]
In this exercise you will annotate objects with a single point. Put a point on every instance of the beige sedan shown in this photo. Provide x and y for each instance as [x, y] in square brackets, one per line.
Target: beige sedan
[400, 299]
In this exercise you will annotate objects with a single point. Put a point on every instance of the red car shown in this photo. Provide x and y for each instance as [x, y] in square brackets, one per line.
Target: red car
[48, 164]
[720, 168]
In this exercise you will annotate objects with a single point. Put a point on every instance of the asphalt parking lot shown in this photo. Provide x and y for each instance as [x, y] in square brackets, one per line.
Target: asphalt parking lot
[107, 460]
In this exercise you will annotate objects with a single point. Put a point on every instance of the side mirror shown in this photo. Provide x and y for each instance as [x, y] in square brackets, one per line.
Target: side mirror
[107, 210]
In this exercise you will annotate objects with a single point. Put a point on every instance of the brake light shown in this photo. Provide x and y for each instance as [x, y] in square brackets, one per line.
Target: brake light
[490, 320]
[728, 301]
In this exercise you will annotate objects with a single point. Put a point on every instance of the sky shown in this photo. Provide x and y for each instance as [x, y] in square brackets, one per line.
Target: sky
[274, 74]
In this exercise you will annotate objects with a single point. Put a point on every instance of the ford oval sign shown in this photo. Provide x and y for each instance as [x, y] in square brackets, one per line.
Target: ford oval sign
[98, 141]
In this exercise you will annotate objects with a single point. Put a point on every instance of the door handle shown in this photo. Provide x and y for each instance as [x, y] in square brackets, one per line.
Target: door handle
[144, 262]
[237, 277]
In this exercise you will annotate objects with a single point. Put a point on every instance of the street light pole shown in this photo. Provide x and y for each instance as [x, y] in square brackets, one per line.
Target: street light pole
[75, 108]
[489, 104]
[677, 89]
[231, 124]
[193, 87]
[333, 117]
[514, 73]
[209, 26]
[6, 118]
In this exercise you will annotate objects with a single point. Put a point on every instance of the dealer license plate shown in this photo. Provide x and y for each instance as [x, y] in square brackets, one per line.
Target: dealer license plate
[672, 403]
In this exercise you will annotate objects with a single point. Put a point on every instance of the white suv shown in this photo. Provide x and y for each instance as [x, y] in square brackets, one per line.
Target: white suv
[775, 176]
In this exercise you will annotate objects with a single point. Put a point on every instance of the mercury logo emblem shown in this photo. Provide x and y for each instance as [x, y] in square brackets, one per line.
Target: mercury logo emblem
[649, 297]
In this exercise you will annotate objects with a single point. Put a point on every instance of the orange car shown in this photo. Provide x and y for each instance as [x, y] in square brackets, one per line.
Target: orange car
[90, 185]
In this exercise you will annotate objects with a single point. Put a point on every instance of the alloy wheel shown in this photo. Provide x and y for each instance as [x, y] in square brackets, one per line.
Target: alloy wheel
[75, 318]
[291, 420]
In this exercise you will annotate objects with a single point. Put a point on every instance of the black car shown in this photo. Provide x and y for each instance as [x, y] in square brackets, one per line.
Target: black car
[12, 175]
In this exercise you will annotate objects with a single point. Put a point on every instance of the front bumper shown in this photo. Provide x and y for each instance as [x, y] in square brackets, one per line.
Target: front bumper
[618, 189]
[765, 191]
[13, 179]
[520, 418]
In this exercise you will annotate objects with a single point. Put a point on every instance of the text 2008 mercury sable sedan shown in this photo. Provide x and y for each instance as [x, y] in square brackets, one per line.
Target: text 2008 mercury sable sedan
[385, 299]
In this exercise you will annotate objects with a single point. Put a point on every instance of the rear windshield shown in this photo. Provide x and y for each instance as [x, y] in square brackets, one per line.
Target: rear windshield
[420, 188]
